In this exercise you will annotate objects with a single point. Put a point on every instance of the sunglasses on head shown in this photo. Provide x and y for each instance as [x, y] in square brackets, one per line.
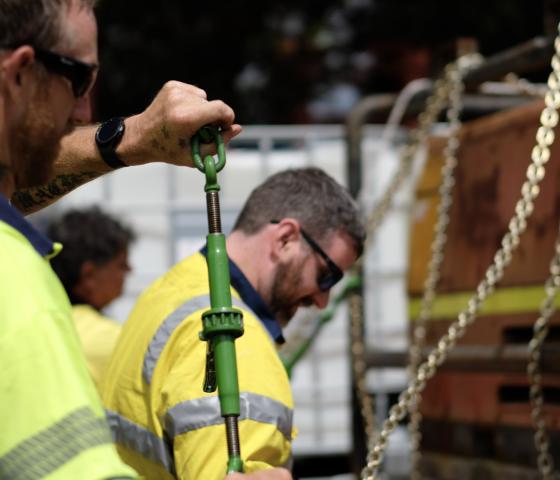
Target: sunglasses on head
[326, 280]
[80, 74]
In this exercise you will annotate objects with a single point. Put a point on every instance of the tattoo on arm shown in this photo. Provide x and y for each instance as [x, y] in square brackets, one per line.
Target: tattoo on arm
[31, 199]
[165, 131]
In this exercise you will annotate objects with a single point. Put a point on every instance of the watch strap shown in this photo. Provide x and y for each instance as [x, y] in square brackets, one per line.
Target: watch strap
[111, 158]
[107, 150]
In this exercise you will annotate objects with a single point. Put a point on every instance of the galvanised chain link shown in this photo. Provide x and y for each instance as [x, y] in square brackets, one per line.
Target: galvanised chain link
[434, 105]
[524, 86]
[540, 331]
[453, 74]
[540, 155]
[359, 368]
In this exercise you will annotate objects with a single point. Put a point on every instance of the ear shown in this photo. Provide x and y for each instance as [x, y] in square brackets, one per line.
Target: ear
[87, 271]
[86, 283]
[16, 70]
[286, 238]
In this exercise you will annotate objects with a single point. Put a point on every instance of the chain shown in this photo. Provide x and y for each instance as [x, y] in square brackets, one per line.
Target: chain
[434, 105]
[454, 77]
[517, 225]
[540, 331]
[359, 368]
[525, 86]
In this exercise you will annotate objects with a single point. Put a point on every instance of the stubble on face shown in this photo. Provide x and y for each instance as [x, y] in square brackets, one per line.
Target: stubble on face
[37, 143]
[284, 294]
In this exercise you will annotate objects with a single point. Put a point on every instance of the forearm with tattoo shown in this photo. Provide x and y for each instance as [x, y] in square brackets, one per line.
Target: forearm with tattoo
[32, 199]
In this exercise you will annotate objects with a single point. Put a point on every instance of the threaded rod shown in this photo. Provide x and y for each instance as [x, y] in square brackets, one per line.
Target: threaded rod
[232, 432]
[213, 209]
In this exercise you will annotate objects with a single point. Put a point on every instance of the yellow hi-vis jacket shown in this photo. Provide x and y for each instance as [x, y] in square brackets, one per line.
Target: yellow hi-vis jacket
[98, 336]
[51, 419]
[164, 425]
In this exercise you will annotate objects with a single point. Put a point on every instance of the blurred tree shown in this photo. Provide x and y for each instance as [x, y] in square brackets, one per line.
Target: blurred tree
[291, 61]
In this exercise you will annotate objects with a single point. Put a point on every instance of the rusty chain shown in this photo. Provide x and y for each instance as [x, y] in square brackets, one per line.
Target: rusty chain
[434, 105]
[454, 77]
[545, 462]
[530, 190]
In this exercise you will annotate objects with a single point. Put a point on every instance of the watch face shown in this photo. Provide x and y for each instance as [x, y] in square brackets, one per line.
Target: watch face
[109, 130]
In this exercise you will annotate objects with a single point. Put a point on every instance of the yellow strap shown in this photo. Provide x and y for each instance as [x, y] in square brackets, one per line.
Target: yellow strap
[503, 301]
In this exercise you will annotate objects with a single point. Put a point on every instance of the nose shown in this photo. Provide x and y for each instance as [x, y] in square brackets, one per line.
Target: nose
[81, 114]
[321, 299]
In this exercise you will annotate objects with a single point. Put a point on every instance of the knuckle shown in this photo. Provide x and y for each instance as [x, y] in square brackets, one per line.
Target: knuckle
[224, 111]
[170, 85]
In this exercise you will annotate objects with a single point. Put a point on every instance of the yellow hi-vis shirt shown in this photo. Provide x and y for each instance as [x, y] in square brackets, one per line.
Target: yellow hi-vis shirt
[98, 336]
[51, 418]
[164, 424]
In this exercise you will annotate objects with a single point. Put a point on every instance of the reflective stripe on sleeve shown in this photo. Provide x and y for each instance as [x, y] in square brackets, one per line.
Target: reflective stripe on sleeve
[46, 451]
[168, 326]
[204, 412]
[140, 440]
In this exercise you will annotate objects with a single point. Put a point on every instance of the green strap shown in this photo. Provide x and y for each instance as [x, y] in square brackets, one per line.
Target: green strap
[48, 450]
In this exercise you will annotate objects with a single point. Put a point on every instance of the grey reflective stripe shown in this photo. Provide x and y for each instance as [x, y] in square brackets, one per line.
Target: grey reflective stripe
[48, 450]
[141, 441]
[204, 412]
[168, 326]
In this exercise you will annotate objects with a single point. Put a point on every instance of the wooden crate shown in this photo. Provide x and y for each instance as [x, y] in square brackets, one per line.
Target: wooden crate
[488, 398]
[482, 443]
[502, 330]
[443, 467]
[502, 444]
[493, 158]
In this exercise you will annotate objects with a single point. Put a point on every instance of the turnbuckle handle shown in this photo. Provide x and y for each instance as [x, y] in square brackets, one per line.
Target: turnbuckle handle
[208, 134]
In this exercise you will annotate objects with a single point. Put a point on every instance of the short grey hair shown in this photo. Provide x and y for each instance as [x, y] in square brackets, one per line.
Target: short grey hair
[309, 195]
[34, 22]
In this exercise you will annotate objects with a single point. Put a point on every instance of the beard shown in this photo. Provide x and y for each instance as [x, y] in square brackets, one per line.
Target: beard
[36, 144]
[284, 296]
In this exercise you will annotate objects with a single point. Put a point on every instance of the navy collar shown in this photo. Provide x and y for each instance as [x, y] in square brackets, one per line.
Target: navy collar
[14, 218]
[253, 300]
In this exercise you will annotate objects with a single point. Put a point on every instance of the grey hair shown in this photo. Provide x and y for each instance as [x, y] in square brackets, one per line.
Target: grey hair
[309, 195]
[34, 22]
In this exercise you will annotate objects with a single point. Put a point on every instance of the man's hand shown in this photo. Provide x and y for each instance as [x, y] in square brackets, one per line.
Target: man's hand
[272, 474]
[162, 133]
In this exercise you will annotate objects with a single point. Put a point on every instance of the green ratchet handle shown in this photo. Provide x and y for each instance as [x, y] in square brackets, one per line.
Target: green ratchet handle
[222, 324]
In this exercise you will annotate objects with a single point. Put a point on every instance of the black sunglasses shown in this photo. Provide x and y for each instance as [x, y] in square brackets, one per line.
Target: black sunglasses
[326, 280]
[80, 74]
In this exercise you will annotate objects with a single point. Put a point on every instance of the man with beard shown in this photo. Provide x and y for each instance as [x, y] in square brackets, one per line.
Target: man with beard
[52, 420]
[296, 235]
[53, 423]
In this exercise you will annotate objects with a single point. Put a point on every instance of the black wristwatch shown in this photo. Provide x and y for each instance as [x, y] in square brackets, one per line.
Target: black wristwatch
[108, 136]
